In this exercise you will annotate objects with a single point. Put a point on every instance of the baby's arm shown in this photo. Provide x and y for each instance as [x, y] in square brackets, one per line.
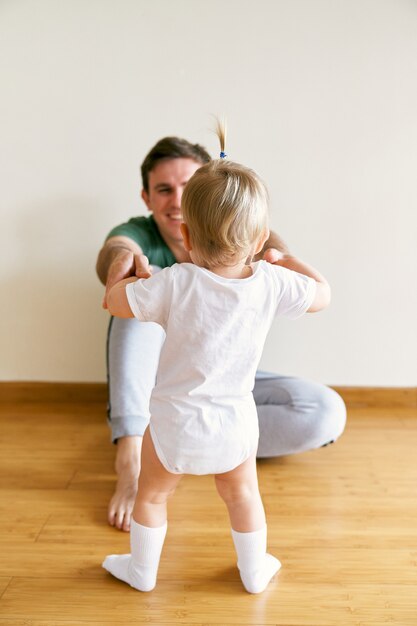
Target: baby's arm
[323, 293]
[117, 302]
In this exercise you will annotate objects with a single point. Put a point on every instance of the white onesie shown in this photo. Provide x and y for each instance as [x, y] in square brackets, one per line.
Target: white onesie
[203, 416]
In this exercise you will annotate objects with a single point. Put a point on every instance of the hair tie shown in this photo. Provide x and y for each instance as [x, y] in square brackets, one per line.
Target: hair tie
[223, 155]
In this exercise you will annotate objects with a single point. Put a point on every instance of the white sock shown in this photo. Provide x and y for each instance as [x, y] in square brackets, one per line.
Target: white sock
[140, 568]
[256, 567]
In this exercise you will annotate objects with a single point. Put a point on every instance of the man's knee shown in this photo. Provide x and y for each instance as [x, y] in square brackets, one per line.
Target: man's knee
[332, 412]
[326, 420]
[312, 416]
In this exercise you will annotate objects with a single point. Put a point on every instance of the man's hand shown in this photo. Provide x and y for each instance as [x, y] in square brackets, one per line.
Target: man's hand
[290, 262]
[272, 255]
[142, 267]
[275, 257]
[273, 249]
[124, 265]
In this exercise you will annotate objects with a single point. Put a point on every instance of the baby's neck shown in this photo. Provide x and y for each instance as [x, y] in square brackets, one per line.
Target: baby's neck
[241, 270]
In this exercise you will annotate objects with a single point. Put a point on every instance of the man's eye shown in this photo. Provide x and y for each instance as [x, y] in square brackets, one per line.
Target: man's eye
[165, 190]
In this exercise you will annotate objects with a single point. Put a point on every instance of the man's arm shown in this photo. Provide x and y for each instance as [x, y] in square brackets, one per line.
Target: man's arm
[119, 258]
[273, 241]
[116, 250]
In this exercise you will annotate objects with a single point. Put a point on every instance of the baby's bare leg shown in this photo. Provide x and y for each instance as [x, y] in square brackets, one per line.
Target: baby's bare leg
[239, 490]
[155, 486]
[149, 523]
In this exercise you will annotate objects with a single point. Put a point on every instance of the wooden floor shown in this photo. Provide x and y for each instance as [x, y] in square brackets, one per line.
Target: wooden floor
[343, 521]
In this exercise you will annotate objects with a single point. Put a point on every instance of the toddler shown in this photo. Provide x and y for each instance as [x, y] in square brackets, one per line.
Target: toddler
[216, 312]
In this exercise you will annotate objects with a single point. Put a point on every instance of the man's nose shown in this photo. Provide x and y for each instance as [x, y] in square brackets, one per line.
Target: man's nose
[176, 198]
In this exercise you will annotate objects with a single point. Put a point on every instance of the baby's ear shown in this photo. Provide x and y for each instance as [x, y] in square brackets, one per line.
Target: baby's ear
[186, 236]
[145, 197]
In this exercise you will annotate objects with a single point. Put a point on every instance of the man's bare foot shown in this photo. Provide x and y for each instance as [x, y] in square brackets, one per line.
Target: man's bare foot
[127, 469]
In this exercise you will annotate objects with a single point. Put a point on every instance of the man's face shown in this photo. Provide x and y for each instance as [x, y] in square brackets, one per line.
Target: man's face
[166, 185]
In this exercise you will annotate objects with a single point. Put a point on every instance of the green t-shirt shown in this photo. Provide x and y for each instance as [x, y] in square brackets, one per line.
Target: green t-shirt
[144, 231]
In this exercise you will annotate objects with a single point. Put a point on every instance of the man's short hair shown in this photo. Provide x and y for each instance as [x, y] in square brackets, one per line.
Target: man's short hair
[171, 148]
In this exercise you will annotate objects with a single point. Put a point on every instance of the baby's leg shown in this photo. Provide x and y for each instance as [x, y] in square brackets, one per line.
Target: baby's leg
[149, 523]
[239, 490]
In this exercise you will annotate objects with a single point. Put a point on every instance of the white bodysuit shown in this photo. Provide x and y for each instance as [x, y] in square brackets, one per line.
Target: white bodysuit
[203, 416]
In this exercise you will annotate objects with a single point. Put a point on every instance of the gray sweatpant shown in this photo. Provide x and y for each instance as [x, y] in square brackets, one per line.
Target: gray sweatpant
[295, 415]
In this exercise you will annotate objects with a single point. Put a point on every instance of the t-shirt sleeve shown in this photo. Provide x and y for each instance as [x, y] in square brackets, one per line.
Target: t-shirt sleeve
[295, 292]
[150, 298]
[136, 229]
[144, 231]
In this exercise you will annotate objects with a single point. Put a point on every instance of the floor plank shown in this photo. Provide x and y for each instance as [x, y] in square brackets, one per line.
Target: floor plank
[343, 521]
[284, 602]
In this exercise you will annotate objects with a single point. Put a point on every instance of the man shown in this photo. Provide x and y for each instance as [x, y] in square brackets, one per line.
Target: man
[294, 414]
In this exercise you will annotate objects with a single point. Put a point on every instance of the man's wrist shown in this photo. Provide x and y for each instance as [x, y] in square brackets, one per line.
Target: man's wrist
[117, 251]
[113, 252]
[115, 248]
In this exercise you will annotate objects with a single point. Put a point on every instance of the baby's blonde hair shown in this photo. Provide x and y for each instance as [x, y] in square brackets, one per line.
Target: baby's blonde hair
[225, 206]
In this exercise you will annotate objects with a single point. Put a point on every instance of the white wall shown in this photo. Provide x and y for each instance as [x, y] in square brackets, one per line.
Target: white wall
[321, 98]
